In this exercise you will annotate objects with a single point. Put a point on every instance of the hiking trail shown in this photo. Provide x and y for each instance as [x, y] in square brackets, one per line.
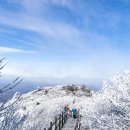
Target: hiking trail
[70, 124]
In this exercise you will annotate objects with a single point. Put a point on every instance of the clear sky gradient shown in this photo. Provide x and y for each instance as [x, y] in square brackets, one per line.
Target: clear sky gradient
[66, 40]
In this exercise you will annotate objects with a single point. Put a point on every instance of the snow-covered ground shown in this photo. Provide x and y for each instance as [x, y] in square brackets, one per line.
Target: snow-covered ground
[108, 109]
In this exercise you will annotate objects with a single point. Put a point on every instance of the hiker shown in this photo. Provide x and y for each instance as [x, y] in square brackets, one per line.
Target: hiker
[74, 113]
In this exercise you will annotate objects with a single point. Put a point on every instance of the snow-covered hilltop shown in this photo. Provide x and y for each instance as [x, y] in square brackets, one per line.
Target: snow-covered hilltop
[108, 109]
[42, 105]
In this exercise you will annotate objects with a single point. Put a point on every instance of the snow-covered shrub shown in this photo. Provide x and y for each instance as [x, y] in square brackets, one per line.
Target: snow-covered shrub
[86, 90]
[70, 88]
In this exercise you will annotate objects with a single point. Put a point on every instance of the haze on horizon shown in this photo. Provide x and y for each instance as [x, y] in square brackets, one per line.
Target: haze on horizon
[65, 40]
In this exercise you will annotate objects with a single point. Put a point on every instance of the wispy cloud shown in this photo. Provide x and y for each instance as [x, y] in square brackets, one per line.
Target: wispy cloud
[33, 17]
[58, 34]
[13, 50]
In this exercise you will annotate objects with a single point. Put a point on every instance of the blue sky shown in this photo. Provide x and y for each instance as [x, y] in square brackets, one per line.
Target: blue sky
[66, 40]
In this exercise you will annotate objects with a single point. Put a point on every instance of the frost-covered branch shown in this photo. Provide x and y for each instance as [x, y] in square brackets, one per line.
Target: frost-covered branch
[13, 83]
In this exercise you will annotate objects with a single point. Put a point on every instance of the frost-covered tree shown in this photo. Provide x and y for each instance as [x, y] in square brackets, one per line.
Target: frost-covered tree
[109, 109]
[9, 120]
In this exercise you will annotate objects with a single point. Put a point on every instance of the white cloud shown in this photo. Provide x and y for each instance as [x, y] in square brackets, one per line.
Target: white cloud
[36, 24]
[13, 50]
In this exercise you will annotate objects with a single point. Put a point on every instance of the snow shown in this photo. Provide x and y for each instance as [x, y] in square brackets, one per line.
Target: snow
[107, 109]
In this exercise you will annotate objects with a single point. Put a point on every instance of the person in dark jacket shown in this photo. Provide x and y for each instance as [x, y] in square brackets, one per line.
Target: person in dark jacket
[74, 113]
